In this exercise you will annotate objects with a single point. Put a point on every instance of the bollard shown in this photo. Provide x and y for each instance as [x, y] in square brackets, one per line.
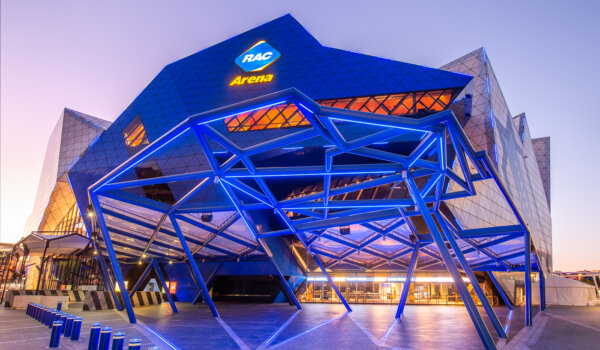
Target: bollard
[94, 336]
[76, 328]
[42, 313]
[118, 341]
[56, 317]
[55, 337]
[27, 310]
[135, 344]
[59, 305]
[50, 318]
[63, 319]
[69, 326]
[105, 334]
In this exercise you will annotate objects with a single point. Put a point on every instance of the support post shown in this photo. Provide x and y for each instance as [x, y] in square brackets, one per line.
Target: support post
[474, 283]
[209, 282]
[480, 326]
[161, 278]
[528, 309]
[500, 290]
[192, 264]
[37, 288]
[412, 266]
[7, 268]
[140, 280]
[112, 257]
[542, 288]
[105, 275]
[335, 288]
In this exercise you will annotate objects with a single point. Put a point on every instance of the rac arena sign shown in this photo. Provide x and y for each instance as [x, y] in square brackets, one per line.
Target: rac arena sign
[258, 57]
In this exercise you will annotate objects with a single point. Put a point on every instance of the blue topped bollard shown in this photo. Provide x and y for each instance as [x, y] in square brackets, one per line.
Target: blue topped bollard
[94, 336]
[105, 335]
[76, 328]
[55, 336]
[135, 344]
[59, 305]
[69, 325]
[63, 319]
[118, 341]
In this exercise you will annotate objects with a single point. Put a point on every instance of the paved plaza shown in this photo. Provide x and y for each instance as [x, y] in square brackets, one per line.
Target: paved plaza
[317, 326]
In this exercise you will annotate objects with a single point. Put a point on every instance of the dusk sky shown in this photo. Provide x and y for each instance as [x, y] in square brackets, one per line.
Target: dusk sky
[96, 57]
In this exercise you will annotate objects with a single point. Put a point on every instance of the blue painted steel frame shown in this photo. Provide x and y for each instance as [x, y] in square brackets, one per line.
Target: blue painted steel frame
[500, 291]
[192, 263]
[112, 257]
[482, 330]
[434, 130]
[163, 283]
[409, 276]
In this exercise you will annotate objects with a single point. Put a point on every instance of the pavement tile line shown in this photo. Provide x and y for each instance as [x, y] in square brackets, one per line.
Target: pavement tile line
[278, 332]
[149, 333]
[309, 330]
[574, 322]
[232, 334]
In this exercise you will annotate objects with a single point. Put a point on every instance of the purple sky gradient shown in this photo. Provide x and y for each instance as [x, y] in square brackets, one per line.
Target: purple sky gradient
[96, 57]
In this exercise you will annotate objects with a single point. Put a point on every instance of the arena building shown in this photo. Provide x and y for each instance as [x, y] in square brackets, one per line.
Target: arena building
[271, 168]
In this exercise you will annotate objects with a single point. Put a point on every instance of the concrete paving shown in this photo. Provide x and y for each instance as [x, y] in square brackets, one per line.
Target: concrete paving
[318, 326]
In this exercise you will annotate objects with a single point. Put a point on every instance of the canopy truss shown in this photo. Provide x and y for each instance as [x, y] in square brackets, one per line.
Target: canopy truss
[353, 188]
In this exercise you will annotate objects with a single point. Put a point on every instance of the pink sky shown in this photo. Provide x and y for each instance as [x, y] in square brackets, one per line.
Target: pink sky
[95, 57]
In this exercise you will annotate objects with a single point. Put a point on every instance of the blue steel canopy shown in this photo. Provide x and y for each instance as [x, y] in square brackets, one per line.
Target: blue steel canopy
[252, 192]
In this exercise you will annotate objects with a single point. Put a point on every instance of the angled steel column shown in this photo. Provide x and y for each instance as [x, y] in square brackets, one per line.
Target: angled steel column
[528, 314]
[112, 257]
[542, 290]
[474, 283]
[192, 264]
[287, 290]
[140, 280]
[161, 278]
[409, 274]
[500, 290]
[335, 288]
[37, 288]
[209, 282]
[482, 330]
[105, 275]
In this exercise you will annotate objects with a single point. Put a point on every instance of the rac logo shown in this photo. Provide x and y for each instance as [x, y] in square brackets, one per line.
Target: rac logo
[258, 57]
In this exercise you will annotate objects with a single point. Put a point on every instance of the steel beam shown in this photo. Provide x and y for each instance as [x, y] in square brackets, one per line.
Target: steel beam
[500, 290]
[335, 288]
[480, 326]
[209, 282]
[194, 266]
[161, 278]
[112, 256]
[140, 280]
[528, 294]
[474, 283]
[409, 274]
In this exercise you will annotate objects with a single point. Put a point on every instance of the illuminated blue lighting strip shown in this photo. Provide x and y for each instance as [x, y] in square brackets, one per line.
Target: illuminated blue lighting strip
[308, 109]
[292, 148]
[140, 160]
[430, 142]
[492, 117]
[220, 152]
[389, 331]
[377, 124]
[242, 112]
[278, 332]
[391, 205]
[239, 210]
[316, 174]
[309, 330]
[163, 339]
[381, 143]
[431, 184]
[247, 192]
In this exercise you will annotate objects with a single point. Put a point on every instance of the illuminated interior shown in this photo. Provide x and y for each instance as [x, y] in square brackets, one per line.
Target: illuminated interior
[287, 115]
[135, 134]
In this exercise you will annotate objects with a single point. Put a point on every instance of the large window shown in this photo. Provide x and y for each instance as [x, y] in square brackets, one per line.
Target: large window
[287, 115]
[135, 135]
